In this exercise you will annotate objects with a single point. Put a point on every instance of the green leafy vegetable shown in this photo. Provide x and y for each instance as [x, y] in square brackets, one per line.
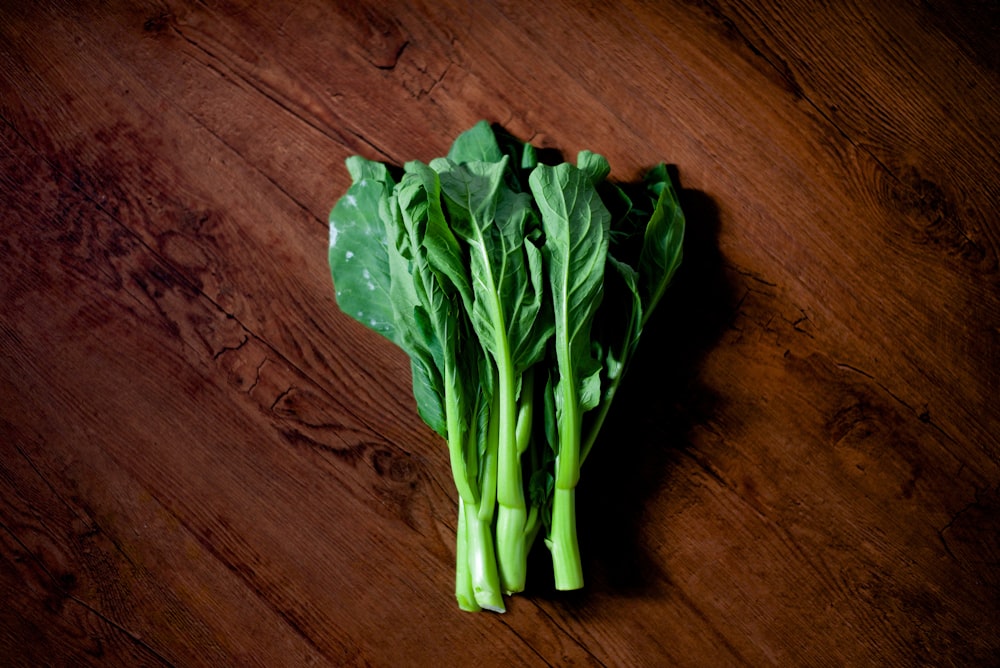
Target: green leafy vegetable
[489, 269]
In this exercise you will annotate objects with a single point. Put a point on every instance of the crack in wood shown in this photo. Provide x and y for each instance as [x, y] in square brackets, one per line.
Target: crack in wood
[978, 503]
[391, 63]
[271, 95]
[228, 349]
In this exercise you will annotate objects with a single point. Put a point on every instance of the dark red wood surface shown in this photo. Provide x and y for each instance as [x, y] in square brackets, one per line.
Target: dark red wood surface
[203, 462]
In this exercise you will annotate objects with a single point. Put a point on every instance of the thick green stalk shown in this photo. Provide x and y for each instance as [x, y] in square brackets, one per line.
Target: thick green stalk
[516, 529]
[481, 578]
[562, 542]
[483, 573]
[566, 565]
[512, 512]
[463, 574]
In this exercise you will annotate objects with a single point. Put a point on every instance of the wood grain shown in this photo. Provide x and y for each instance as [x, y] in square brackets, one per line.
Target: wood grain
[204, 462]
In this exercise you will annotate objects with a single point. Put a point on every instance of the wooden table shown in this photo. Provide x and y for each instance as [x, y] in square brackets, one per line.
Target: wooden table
[203, 462]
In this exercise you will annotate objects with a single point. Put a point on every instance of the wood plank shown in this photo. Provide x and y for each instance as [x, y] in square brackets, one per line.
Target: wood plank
[813, 473]
[45, 617]
[899, 89]
[176, 219]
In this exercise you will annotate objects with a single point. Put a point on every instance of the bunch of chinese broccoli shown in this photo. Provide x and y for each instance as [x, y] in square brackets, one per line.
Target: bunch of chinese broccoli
[519, 290]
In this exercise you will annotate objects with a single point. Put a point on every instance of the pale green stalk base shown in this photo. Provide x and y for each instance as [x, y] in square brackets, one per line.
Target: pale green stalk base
[512, 548]
[463, 575]
[562, 541]
[512, 512]
[482, 565]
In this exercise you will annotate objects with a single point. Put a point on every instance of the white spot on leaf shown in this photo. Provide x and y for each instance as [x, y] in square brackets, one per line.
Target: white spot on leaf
[333, 235]
[348, 255]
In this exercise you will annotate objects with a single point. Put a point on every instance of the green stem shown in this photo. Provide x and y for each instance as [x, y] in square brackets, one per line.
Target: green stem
[483, 575]
[463, 574]
[569, 423]
[600, 414]
[512, 511]
[563, 543]
[488, 467]
[533, 524]
[595, 428]
[566, 564]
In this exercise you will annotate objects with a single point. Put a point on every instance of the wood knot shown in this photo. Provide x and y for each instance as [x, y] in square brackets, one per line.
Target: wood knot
[384, 40]
[157, 23]
[394, 466]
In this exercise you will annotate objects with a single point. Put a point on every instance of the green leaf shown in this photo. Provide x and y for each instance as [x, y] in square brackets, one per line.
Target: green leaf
[577, 227]
[363, 169]
[428, 392]
[477, 144]
[428, 299]
[506, 269]
[420, 198]
[594, 165]
[662, 248]
[628, 316]
[358, 259]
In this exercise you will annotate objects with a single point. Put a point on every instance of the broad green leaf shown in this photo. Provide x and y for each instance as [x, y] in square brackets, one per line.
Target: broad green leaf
[594, 165]
[430, 296]
[644, 254]
[477, 144]
[402, 289]
[662, 248]
[428, 392]
[361, 168]
[420, 196]
[358, 259]
[535, 324]
[577, 227]
[506, 271]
